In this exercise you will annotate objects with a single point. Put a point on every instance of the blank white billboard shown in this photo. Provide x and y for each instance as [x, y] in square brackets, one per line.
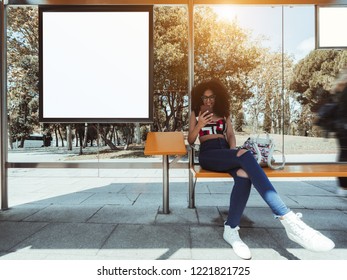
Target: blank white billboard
[96, 64]
[331, 25]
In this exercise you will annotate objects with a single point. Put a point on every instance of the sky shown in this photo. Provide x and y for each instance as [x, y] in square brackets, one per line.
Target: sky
[299, 25]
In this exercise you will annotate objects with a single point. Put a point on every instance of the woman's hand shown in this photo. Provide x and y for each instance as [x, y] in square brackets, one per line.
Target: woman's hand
[195, 124]
[204, 119]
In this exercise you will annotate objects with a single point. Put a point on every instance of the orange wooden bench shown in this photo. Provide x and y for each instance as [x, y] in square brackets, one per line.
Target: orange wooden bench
[173, 143]
[289, 170]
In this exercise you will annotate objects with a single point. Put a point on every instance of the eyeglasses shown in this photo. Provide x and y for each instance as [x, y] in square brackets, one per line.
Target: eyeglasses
[211, 97]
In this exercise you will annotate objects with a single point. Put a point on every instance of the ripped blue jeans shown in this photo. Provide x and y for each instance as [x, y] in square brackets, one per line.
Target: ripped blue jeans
[216, 155]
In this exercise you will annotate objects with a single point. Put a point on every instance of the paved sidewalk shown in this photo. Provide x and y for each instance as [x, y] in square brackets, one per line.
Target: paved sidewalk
[115, 214]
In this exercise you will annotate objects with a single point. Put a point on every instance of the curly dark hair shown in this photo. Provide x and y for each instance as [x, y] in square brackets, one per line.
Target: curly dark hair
[222, 101]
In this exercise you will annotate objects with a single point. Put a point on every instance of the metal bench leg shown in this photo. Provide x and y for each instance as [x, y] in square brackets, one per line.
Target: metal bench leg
[192, 184]
[166, 190]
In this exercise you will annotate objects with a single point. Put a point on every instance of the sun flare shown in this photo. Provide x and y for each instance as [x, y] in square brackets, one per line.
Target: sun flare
[225, 12]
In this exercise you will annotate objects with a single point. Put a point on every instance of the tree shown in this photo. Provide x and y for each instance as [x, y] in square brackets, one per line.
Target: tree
[170, 68]
[240, 121]
[230, 64]
[23, 66]
[312, 81]
[314, 75]
[270, 93]
[225, 51]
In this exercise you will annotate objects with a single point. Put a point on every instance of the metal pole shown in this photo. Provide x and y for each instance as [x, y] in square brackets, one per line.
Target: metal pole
[190, 86]
[3, 113]
[191, 191]
[166, 190]
[283, 81]
[191, 202]
[190, 49]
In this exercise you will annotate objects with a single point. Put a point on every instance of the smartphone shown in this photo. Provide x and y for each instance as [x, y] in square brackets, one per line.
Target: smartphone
[204, 108]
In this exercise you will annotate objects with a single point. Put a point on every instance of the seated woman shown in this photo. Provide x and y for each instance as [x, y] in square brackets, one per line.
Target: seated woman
[218, 152]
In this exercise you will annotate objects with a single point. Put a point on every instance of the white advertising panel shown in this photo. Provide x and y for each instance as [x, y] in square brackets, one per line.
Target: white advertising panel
[95, 64]
[331, 27]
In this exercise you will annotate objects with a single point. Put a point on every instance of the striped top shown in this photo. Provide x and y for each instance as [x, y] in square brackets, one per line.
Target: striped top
[218, 127]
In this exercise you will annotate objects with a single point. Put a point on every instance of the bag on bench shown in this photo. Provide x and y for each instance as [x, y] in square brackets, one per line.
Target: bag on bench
[263, 150]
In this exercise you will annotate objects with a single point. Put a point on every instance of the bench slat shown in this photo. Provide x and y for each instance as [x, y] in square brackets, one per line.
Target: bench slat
[290, 170]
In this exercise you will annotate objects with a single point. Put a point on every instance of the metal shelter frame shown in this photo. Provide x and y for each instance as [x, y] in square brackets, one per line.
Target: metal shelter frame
[5, 165]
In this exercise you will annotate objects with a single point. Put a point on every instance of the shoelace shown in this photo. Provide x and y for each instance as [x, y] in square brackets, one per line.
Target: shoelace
[301, 229]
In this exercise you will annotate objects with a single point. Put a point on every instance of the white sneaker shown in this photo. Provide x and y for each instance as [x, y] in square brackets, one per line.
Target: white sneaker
[341, 192]
[304, 235]
[231, 235]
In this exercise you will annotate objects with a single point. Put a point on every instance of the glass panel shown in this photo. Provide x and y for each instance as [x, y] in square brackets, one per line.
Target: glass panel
[309, 75]
[242, 46]
[31, 141]
[265, 56]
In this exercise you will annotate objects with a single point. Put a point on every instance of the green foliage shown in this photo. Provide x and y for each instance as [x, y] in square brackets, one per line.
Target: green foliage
[312, 81]
[170, 68]
[270, 95]
[314, 75]
[23, 71]
[225, 51]
[222, 50]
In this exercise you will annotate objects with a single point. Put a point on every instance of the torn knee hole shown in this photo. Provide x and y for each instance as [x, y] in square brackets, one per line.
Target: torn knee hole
[241, 173]
[241, 152]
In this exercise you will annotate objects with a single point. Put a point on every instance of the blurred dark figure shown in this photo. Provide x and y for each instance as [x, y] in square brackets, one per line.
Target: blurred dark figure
[326, 110]
[340, 92]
